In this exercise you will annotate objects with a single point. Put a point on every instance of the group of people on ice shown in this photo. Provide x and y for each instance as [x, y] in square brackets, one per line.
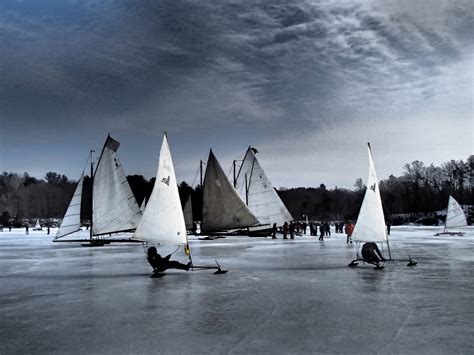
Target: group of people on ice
[289, 230]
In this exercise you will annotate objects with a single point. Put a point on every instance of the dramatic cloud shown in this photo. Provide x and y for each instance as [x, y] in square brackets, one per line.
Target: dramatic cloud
[309, 82]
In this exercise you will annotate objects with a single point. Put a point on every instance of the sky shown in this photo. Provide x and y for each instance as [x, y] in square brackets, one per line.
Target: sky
[308, 83]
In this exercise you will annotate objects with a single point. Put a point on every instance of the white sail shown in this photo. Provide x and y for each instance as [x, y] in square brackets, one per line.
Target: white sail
[163, 219]
[455, 215]
[72, 219]
[257, 191]
[370, 226]
[143, 205]
[37, 225]
[222, 209]
[188, 213]
[114, 206]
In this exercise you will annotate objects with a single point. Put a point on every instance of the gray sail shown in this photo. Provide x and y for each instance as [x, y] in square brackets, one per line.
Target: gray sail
[188, 213]
[223, 209]
[115, 208]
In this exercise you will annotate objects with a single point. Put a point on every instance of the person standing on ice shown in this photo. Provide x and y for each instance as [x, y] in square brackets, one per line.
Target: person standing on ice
[327, 229]
[292, 230]
[371, 253]
[161, 264]
[388, 228]
[285, 230]
[349, 228]
[274, 231]
[27, 227]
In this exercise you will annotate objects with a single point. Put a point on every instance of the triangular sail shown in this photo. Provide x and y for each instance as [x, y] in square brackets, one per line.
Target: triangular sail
[143, 205]
[37, 225]
[163, 219]
[115, 208]
[72, 219]
[370, 226]
[256, 189]
[223, 209]
[455, 216]
[188, 213]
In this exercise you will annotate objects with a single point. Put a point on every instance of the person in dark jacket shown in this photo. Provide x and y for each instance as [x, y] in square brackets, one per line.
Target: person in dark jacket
[161, 264]
[285, 230]
[274, 231]
[292, 230]
[371, 253]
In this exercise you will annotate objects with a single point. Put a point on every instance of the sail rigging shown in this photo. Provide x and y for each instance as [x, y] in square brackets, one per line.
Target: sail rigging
[256, 189]
[455, 216]
[370, 226]
[114, 206]
[223, 209]
[163, 219]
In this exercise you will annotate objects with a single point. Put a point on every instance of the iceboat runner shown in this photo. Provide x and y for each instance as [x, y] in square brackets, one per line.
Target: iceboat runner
[163, 222]
[370, 225]
[114, 207]
[455, 217]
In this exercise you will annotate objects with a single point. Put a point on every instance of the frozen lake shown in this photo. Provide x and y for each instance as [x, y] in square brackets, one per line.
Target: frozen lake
[279, 296]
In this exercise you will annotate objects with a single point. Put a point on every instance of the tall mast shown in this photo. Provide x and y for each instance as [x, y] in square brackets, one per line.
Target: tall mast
[246, 191]
[235, 179]
[200, 172]
[92, 194]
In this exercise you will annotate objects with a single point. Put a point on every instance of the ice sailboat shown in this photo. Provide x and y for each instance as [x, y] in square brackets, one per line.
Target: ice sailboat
[223, 210]
[37, 226]
[370, 225]
[257, 191]
[114, 207]
[455, 217]
[163, 220]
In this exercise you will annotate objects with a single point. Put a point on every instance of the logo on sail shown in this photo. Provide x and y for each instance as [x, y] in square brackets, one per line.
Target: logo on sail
[166, 180]
[373, 187]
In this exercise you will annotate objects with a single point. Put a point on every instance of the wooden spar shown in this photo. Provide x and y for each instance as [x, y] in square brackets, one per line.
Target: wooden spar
[92, 194]
[235, 178]
[200, 172]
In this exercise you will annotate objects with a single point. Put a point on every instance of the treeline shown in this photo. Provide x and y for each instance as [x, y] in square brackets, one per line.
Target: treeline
[421, 190]
[417, 194]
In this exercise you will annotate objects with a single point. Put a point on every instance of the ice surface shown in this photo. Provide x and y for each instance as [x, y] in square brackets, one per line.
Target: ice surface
[279, 296]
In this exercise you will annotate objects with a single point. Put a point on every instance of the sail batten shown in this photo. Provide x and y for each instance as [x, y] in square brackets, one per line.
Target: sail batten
[223, 209]
[72, 219]
[163, 219]
[370, 226]
[253, 184]
[115, 208]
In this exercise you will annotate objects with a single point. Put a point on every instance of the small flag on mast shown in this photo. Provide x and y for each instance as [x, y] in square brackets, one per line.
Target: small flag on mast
[112, 144]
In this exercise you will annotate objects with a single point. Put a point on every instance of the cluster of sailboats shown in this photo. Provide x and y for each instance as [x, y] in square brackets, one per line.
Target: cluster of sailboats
[250, 203]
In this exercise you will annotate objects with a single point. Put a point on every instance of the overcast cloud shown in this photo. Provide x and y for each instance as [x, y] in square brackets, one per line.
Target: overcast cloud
[306, 82]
